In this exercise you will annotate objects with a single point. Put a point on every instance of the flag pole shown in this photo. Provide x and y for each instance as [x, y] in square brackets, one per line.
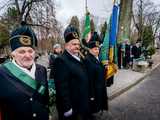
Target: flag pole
[114, 2]
[86, 6]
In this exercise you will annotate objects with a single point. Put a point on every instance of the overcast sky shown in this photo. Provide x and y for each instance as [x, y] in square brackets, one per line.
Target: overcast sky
[67, 8]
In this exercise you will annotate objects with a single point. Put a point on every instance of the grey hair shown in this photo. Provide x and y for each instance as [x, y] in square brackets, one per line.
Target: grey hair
[57, 46]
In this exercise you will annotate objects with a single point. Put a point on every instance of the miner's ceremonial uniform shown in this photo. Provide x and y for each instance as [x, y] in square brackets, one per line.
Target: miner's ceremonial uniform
[23, 83]
[71, 81]
[96, 74]
[98, 94]
[22, 100]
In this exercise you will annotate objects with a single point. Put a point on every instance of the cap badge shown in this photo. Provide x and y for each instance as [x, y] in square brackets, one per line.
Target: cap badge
[75, 35]
[97, 43]
[25, 40]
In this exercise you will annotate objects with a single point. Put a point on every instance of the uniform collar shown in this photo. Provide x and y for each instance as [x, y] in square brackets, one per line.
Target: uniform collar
[74, 56]
[31, 72]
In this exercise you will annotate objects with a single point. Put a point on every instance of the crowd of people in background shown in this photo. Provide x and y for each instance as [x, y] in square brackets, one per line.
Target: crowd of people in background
[127, 53]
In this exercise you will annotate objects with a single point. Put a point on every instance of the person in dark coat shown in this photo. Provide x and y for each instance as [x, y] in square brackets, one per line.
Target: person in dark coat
[96, 73]
[127, 57]
[71, 80]
[136, 51]
[119, 55]
[57, 50]
[23, 84]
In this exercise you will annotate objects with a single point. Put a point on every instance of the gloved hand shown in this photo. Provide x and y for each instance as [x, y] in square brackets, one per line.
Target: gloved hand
[68, 113]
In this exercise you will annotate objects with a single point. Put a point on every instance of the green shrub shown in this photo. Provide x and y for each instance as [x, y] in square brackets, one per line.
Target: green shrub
[151, 51]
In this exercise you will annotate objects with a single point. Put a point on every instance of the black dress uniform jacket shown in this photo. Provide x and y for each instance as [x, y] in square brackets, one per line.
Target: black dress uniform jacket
[98, 93]
[71, 83]
[19, 101]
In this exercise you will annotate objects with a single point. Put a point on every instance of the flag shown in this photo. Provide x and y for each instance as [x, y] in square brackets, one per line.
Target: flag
[108, 51]
[113, 34]
[104, 52]
[87, 28]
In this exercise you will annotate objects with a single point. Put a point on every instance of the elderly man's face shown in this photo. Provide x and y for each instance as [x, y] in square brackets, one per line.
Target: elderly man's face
[73, 46]
[94, 51]
[24, 56]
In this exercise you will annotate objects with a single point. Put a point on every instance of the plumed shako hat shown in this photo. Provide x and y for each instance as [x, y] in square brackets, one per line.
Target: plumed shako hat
[93, 42]
[71, 33]
[23, 36]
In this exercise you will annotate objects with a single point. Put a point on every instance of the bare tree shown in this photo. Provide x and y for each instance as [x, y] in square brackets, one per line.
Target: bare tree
[40, 14]
[145, 13]
[24, 7]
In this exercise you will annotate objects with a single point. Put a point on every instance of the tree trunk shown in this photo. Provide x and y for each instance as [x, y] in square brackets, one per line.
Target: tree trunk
[125, 20]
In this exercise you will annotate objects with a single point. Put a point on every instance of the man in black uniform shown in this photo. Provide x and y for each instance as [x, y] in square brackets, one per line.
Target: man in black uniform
[71, 80]
[96, 72]
[23, 83]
